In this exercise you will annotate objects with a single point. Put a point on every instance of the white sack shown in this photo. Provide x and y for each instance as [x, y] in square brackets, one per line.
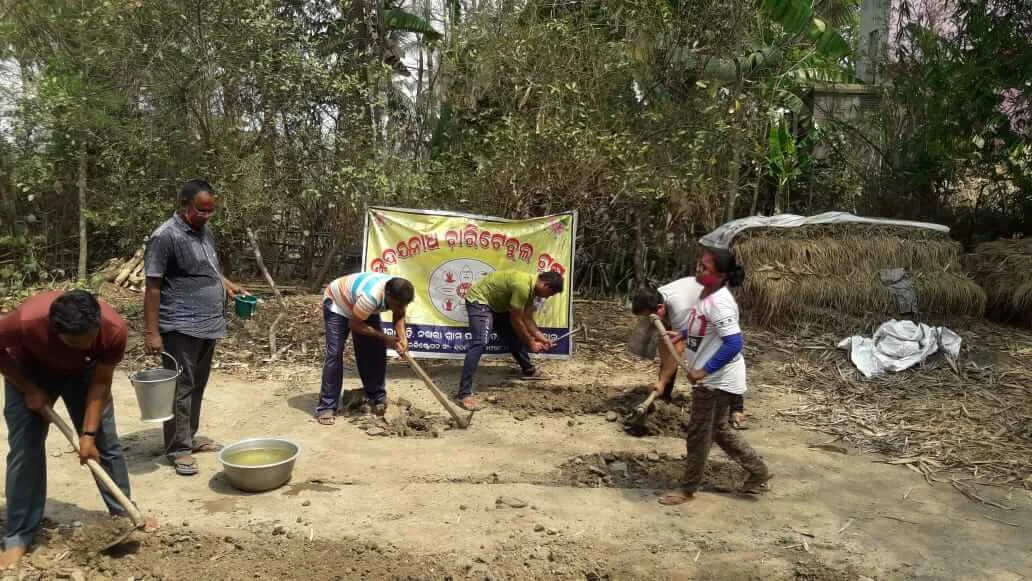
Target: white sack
[899, 345]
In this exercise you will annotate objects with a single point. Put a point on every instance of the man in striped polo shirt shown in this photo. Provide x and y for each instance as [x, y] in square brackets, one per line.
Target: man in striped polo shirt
[354, 303]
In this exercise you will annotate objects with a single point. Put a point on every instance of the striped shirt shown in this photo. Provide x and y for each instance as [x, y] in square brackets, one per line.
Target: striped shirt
[359, 295]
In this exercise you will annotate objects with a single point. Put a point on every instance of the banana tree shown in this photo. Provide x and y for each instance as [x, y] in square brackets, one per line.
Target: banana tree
[787, 160]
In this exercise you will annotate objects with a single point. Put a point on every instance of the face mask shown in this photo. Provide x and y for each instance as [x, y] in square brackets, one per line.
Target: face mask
[709, 280]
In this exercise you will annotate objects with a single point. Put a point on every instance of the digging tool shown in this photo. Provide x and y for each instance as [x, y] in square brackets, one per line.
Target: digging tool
[570, 334]
[448, 406]
[134, 513]
[637, 419]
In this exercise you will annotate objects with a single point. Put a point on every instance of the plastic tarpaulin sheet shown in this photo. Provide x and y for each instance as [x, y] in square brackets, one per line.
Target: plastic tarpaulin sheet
[898, 345]
[722, 236]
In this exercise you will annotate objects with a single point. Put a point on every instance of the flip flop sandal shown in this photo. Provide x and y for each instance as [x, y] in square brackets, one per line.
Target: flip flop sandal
[326, 418]
[537, 376]
[206, 446]
[755, 484]
[469, 404]
[185, 468]
[676, 498]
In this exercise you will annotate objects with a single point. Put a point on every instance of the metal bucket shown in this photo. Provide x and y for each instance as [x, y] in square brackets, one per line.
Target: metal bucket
[156, 391]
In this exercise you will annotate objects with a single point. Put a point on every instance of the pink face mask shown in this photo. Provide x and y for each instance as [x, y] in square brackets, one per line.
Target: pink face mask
[709, 280]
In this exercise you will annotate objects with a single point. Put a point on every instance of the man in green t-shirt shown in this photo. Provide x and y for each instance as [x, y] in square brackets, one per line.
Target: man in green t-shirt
[503, 302]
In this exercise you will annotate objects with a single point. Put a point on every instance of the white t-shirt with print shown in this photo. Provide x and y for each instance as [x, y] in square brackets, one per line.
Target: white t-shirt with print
[680, 296]
[714, 317]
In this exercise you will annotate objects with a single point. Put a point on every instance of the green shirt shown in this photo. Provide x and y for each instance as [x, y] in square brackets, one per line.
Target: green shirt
[503, 290]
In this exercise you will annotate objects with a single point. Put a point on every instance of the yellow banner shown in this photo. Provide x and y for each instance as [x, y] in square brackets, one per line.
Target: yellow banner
[444, 253]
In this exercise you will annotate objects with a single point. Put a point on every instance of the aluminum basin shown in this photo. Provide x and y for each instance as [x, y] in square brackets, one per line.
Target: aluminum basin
[259, 464]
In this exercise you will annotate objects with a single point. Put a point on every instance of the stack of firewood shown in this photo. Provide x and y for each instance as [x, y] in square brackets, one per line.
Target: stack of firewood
[127, 272]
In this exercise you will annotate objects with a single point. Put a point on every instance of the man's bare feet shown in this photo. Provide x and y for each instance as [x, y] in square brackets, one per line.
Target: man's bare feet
[676, 497]
[9, 558]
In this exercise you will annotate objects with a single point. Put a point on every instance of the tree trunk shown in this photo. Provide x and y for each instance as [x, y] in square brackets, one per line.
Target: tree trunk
[331, 255]
[756, 192]
[732, 176]
[82, 214]
[638, 256]
[737, 125]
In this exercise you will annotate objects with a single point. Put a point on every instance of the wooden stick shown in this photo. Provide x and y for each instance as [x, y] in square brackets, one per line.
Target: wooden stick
[102, 476]
[459, 420]
[275, 291]
[261, 263]
[272, 334]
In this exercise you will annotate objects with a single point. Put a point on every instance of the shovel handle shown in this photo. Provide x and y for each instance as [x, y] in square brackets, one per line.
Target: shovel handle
[658, 324]
[644, 406]
[459, 420]
[573, 332]
[98, 472]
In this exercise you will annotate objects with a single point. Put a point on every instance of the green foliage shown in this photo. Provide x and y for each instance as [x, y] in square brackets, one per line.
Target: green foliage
[796, 16]
[398, 19]
[956, 143]
[656, 120]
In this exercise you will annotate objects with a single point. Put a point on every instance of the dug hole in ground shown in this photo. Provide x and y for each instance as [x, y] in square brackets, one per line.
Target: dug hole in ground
[544, 484]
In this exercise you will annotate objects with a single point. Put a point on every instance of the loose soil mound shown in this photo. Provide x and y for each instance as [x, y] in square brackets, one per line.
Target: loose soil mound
[648, 471]
[274, 552]
[665, 419]
[401, 419]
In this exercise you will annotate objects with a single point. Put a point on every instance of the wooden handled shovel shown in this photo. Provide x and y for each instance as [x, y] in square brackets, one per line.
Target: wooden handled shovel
[139, 523]
[638, 418]
[448, 406]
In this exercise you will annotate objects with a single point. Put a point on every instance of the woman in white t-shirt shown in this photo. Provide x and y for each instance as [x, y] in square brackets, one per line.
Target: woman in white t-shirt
[713, 347]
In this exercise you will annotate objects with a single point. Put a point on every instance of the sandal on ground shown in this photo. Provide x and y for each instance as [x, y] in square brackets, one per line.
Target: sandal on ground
[755, 484]
[676, 497]
[202, 445]
[470, 404]
[326, 418]
[185, 467]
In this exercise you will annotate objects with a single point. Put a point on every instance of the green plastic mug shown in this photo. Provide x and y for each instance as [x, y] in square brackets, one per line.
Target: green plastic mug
[245, 305]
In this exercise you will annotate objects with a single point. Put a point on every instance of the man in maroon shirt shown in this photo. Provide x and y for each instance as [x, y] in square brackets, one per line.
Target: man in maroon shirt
[57, 345]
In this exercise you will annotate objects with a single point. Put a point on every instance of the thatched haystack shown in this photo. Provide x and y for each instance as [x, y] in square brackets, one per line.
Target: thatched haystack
[810, 271]
[1004, 269]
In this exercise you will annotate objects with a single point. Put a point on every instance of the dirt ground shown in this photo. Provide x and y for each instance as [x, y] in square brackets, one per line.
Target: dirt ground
[544, 484]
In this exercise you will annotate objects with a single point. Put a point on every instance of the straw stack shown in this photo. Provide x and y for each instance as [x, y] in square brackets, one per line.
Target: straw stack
[801, 274]
[1004, 269]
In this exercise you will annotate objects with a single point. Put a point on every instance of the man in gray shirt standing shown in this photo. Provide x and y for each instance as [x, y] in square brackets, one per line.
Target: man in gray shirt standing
[184, 312]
